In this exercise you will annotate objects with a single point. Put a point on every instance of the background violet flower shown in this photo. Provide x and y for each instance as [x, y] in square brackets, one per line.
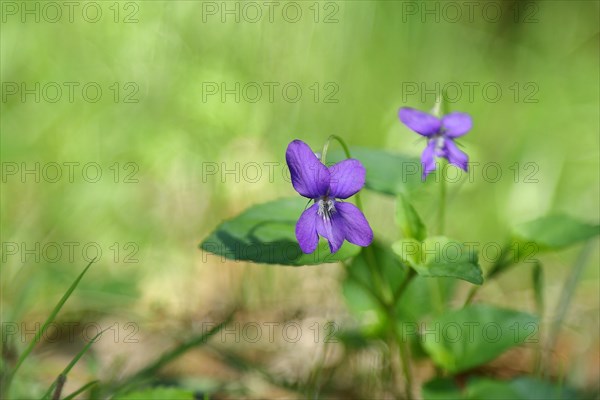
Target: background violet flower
[328, 217]
[440, 134]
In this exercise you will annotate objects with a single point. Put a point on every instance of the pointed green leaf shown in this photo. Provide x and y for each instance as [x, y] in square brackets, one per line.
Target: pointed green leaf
[408, 219]
[472, 336]
[441, 389]
[440, 257]
[479, 388]
[555, 231]
[265, 234]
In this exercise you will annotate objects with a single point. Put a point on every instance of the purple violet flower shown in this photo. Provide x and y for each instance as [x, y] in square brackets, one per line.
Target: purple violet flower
[440, 134]
[328, 217]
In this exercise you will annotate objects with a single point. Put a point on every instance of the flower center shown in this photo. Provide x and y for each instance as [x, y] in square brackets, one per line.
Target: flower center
[439, 145]
[326, 207]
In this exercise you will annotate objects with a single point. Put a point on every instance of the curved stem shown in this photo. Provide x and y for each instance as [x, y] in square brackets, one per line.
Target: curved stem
[398, 293]
[340, 141]
[499, 266]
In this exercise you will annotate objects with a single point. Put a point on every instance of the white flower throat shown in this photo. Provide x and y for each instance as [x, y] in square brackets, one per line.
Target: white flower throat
[439, 145]
[326, 207]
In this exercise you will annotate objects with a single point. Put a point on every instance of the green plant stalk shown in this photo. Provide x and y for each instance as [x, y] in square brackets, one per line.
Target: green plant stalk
[435, 286]
[74, 361]
[388, 299]
[567, 293]
[404, 357]
[60, 382]
[398, 293]
[442, 205]
[403, 351]
[384, 291]
[538, 284]
[500, 265]
[41, 331]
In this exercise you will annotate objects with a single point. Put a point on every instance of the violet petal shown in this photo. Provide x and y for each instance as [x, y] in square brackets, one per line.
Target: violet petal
[455, 155]
[419, 121]
[332, 229]
[309, 176]
[306, 229]
[428, 158]
[346, 178]
[456, 124]
[357, 228]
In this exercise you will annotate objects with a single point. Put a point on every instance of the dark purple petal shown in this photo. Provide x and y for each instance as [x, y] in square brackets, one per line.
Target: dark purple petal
[428, 158]
[346, 178]
[357, 227]
[309, 176]
[456, 124]
[455, 155]
[306, 229]
[419, 121]
[332, 229]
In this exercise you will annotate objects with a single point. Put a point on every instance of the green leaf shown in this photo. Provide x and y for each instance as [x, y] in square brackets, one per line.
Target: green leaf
[522, 388]
[407, 217]
[528, 388]
[475, 335]
[387, 173]
[555, 231]
[440, 257]
[159, 393]
[266, 234]
[441, 389]
[478, 388]
[490, 389]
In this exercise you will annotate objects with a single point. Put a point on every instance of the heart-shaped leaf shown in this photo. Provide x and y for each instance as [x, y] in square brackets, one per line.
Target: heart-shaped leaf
[266, 234]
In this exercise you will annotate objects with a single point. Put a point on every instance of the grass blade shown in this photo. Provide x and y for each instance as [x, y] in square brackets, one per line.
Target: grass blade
[81, 390]
[42, 330]
[65, 372]
[567, 293]
[169, 356]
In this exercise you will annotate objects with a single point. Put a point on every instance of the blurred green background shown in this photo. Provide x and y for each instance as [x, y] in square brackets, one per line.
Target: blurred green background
[159, 123]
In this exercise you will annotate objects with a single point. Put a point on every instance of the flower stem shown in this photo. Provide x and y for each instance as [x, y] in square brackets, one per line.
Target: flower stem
[500, 265]
[406, 368]
[382, 289]
[387, 298]
[326, 147]
[442, 204]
